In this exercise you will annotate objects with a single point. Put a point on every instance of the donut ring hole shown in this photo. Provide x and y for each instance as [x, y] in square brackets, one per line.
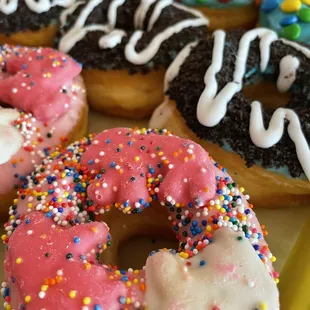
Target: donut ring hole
[135, 236]
[267, 94]
[4, 105]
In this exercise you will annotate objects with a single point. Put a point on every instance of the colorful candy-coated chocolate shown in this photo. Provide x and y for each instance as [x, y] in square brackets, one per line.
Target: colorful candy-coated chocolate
[289, 18]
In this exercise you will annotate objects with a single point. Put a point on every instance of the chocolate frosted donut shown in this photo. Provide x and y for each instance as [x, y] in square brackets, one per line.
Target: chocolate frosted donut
[208, 92]
[30, 22]
[127, 42]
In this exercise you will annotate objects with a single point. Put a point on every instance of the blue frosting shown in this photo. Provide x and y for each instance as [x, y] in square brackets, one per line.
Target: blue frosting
[282, 170]
[216, 4]
[271, 16]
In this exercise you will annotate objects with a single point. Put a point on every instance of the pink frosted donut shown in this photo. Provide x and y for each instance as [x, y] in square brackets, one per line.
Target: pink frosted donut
[47, 107]
[53, 242]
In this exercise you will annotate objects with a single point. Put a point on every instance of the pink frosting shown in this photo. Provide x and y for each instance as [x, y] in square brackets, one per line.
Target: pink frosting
[44, 71]
[62, 109]
[180, 159]
[130, 159]
[33, 241]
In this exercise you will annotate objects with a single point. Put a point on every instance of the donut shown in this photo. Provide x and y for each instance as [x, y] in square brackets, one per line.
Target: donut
[290, 19]
[30, 22]
[60, 236]
[125, 47]
[207, 100]
[42, 105]
[227, 14]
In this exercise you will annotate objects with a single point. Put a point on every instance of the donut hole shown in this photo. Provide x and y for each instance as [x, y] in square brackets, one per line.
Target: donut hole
[267, 94]
[4, 105]
[134, 236]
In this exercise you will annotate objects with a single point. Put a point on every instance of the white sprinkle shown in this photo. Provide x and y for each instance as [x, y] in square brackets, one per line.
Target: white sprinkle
[42, 294]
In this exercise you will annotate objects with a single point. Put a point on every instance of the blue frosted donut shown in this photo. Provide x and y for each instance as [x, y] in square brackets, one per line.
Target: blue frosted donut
[217, 4]
[289, 18]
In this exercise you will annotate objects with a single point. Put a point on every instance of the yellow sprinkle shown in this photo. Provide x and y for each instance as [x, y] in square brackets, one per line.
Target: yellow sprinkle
[86, 300]
[27, 298]
[263, 306]
[185, 159]
[94, 229]
[87, 266]
[117, 272]
[128, 283]
[222, 210]
[160, 153]
[218, 207]
[19, 260]
[137, 158]
[222, 198]
[183, 254]
[241, 189]
[44, 288]
[30, 205]
[208, 228]
[128, 301]
[8, 307]
[226, 218]
[273, 259]
[3, 237]
[136, 271]
[276, 280]
[111, 277]
[135, 281]
[72, 294]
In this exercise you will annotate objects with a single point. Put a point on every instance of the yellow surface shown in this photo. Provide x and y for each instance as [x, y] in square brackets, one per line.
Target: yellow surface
[284, 225]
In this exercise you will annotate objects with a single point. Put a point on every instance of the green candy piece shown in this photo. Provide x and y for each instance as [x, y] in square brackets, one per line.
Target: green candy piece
[291, 32]
[304, 15]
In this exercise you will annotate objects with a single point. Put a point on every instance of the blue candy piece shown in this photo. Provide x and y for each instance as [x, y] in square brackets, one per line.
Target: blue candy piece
[288, 20]
[268, 6]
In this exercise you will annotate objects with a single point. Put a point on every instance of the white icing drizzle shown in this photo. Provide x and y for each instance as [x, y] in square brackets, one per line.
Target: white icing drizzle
[288, 67]
[10, 138]
[233, 278]
[38, 6]
[149, 52]
[163, 112]
[157, 12]
[66, 12]
[211, 106]
[141, 12]
[78, 31]
[112, 12]
[267, 138]
[112, 39]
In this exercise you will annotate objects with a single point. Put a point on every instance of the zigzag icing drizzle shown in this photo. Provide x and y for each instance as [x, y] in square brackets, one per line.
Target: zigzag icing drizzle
[10, 6]
[114, 36]
[212, 105]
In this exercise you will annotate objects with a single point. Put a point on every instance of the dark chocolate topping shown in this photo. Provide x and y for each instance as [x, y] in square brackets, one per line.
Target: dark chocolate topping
[233, 130]
[25, 19]
[92, 56]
